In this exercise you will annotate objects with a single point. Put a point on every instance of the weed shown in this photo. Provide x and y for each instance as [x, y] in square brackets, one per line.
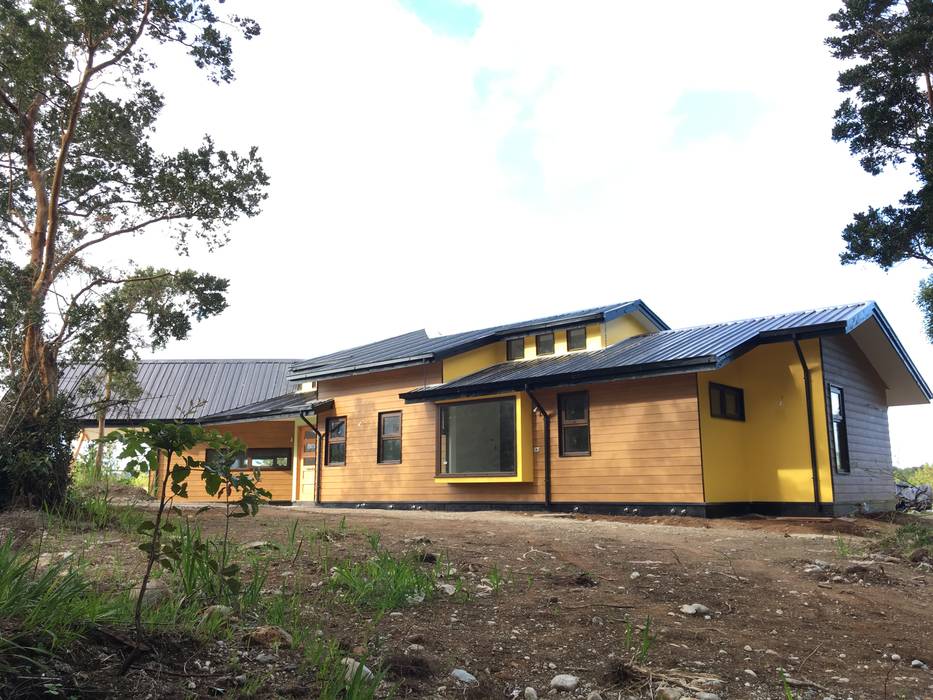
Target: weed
[908, 538]
[343, 524]
[373, 538]
[330, 674]
[639, 643]
[843, 548]
[496, 579]
[383, 582]
[788, 693]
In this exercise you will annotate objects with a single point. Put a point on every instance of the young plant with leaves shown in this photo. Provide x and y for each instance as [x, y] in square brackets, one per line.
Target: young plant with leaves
[887, 120]
[81, 170]
[160, 449]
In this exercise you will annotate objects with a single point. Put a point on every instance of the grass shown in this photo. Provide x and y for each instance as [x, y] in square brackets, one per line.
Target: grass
[383, 582]
[639, 642]
[908, 538]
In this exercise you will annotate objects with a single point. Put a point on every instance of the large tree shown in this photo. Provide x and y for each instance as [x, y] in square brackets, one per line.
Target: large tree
[79, 171]
[887, 119]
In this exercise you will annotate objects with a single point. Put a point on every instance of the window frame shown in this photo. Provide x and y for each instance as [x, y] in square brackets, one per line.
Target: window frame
[509, 355]
[249, 454]
[724, 390]
[563, 423]
[382, 437]
[438, 471]
[843, 466]
[538, 337]
[571, 330]
[330, 440]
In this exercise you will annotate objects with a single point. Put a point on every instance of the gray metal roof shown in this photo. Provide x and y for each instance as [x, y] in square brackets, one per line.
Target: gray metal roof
[417, 347]
[289, 405]
[672, 351]
[191, 389]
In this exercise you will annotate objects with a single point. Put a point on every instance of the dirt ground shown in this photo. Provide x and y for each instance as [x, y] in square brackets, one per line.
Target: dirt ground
[799, 595]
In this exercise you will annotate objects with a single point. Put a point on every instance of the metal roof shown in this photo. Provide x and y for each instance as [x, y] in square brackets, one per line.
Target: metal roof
[191, 389]
[286, 406]
[417, 347]
[672, 351]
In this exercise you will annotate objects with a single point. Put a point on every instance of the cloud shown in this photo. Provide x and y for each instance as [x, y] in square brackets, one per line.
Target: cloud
[707, 113]
[450, 17]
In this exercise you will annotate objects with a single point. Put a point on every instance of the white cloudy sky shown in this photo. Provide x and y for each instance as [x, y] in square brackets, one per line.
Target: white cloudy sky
[450, 165]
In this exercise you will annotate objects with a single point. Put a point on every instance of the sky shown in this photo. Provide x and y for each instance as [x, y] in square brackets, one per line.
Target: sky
[451, 165]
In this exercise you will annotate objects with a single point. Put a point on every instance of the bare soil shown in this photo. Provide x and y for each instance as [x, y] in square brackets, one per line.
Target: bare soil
[572, 586]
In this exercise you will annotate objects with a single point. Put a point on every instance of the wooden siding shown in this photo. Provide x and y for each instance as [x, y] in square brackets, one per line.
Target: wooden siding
[871, 478]
[259, 434]
[644, 436]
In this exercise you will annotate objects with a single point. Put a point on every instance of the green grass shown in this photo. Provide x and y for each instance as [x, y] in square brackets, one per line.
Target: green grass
[908, 538]
[384, 582]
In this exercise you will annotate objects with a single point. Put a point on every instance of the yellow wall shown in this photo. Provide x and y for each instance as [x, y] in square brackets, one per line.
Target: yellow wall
[618, 329]
[524, 457]
[474, 360]
[766, 458]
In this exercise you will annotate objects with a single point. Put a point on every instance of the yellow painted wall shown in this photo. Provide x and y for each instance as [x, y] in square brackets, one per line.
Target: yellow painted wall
[766, 458]
[524, 457]
[474, 360]
[618, 329]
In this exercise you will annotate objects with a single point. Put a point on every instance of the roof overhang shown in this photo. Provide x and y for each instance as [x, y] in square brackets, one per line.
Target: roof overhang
[286, 407]
[903, 382]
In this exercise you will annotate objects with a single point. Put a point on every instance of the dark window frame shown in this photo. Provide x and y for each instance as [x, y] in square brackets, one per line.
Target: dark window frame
[329, 440]
[840, 466]
[720, 410]
[381, 437]
[538, 338]
[438, 471]
[263, 452]
[509, 354]
[563, 423]
[571, 348]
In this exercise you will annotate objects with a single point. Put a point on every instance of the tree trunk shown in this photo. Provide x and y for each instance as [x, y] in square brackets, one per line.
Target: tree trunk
[101, 427]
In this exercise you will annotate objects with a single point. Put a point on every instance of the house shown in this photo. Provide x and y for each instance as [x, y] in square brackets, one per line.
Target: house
[602, 410]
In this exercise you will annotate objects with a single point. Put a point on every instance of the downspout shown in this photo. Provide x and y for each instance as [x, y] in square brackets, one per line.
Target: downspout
[547, 447]
[319, 439]
[808, 389]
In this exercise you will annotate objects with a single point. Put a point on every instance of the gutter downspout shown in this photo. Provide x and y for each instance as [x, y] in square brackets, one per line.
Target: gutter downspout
[808, 389]
[547, 447]
[317, 456]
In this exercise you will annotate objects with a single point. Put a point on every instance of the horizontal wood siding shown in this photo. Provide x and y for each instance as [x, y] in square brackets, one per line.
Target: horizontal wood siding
[363, 480]
[279, 434]
[644, 435]
[872, 477]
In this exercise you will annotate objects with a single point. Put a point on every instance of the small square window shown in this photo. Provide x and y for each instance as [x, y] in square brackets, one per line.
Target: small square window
[726, 402]
[515, 349]
[544, 344]
[576, 339]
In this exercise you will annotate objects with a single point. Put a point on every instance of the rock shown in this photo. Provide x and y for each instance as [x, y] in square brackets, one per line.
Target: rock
[530, 694]
[895, 657]
[464, 676]
[594, 696]
[669, 694]
[858, 567]
[157, 592]
[838, 579]
[695, 609]
[565, 683]
[259, 544]
[751, 673]
[812, 569]
[265, 658]
[820, 563]
[270, 636]
[706, 696]
[748, 647]
[414, 649]
[216, 613]
[49, 558]
[447, 588]
[918, 555]
[634, 575]
[917, 663]
[355, 669]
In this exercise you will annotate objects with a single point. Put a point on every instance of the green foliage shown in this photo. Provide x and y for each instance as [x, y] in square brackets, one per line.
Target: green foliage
[384, 582]
[916, 475]
[198, 566]
[638, 642]
[887, 120]
[35, 454]
[908, 538]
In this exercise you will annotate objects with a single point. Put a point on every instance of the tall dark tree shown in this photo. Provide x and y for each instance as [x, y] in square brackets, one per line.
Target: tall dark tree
[78, 168]
[887, 120]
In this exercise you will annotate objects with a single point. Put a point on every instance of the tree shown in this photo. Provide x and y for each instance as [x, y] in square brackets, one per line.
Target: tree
[79, 169]
[156, 306]
[888, 121]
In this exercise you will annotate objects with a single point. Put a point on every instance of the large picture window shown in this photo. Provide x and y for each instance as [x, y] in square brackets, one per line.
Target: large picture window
[726, 402]
[477, 437]
[838, 439]
[336, 441]
[259, 458]
[573, 417]
[389, 448]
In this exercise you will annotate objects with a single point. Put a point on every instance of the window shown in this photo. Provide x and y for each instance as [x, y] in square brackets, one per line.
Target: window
[576, 339]
[336, 441]
[838, 439]
[515, 349]
[726, 402]
[264, 459]
[544, 343]
[573, 417]
[390, 438]
[477, 437]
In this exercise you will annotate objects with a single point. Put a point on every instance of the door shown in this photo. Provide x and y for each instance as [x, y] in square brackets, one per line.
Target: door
[307, 459]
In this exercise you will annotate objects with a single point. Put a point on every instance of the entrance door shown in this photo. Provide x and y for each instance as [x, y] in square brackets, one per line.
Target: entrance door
[307, 459]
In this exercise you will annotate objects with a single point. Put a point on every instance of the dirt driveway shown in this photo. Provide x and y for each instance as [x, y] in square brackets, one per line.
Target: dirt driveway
[798, 595]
